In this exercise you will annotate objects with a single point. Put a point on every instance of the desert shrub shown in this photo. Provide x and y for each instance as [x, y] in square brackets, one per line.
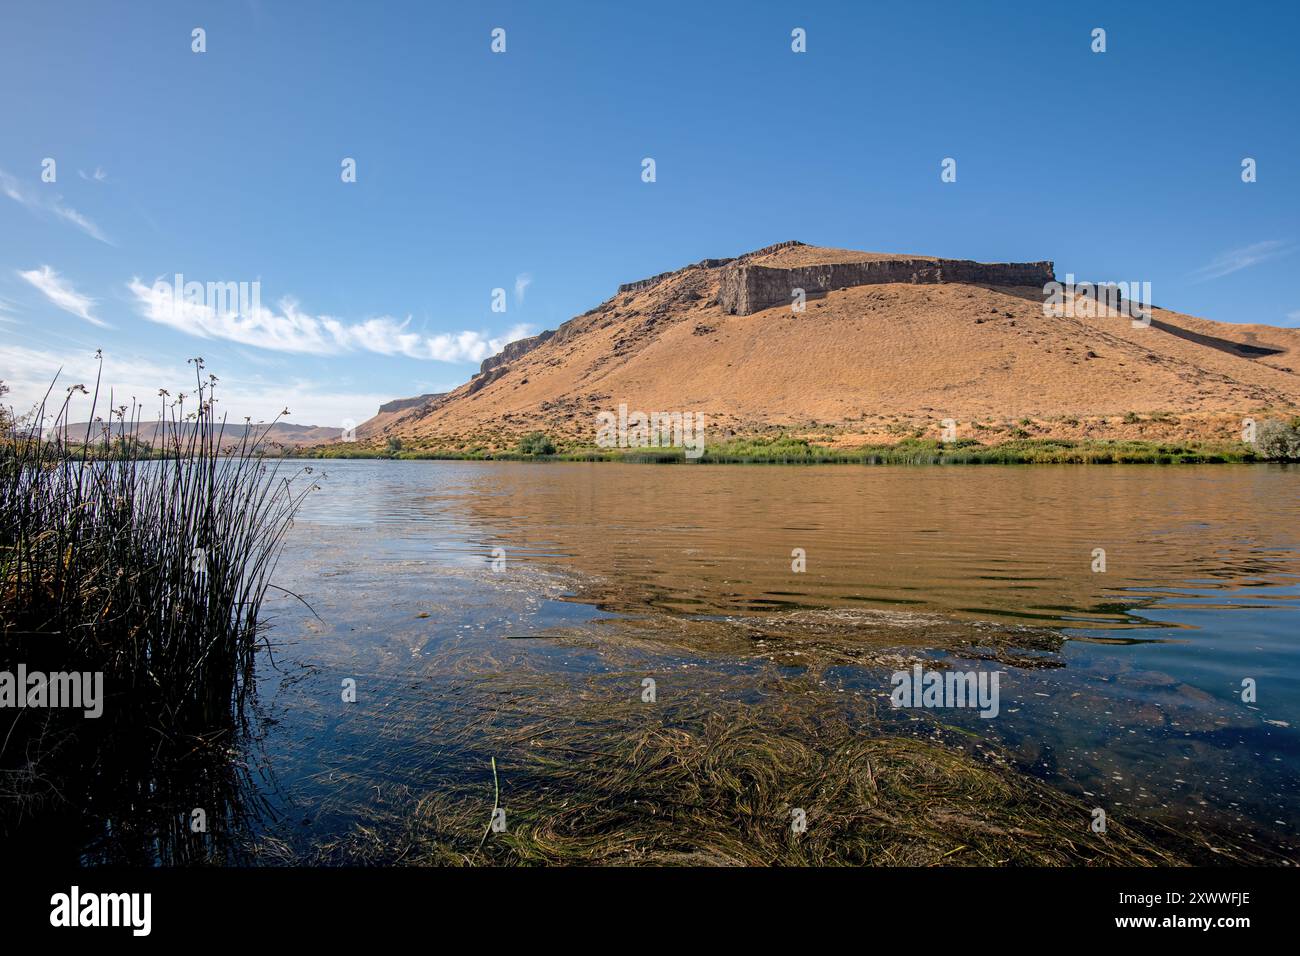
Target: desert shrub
[536, 443]
[1278, 440]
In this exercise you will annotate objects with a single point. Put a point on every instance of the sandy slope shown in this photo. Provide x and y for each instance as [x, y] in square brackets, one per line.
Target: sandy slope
[873, 362]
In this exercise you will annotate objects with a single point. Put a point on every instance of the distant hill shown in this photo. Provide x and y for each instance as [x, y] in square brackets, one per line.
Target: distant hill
[887, 346]
[281, 433]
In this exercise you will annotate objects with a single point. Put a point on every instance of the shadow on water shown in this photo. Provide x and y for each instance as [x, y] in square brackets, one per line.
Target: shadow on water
[114, 791]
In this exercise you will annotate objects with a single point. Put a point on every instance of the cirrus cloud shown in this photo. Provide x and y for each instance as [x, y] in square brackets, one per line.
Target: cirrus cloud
[15, 190]
[61, 293]
[1234, 260]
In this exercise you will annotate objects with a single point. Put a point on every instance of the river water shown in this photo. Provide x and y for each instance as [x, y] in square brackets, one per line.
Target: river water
[1130, 611]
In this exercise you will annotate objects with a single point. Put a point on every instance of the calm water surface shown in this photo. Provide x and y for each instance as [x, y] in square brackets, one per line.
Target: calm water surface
[1129, 692]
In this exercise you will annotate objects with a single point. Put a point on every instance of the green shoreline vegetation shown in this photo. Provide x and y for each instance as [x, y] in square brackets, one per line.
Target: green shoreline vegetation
[1276, 446]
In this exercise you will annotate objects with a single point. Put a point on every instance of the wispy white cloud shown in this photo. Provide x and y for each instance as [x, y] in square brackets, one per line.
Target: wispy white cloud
[522, 282]
[1235, 260]
[81, 222]
[60, 292]
[53, 204]
[98, 175]
[290, 329]
[128, 378]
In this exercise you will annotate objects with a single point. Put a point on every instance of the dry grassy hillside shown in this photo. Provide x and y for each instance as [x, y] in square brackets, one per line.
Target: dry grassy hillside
[868, 363]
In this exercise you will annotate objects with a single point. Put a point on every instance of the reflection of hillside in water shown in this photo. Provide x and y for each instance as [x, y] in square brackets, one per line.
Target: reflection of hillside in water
[1013, 544]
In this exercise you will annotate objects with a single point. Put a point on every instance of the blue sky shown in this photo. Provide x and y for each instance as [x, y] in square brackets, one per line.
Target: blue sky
[522, 170]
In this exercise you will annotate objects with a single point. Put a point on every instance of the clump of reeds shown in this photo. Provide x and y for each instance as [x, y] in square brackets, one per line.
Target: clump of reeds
[147, 564]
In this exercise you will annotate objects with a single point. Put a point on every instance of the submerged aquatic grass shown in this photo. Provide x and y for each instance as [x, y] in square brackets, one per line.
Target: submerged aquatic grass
[710, 772]
[599, 778]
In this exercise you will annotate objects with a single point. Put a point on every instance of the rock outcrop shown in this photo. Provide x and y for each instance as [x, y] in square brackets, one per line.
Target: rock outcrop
[399, 404]
[641, 284]
[514, 350]
[747, 288]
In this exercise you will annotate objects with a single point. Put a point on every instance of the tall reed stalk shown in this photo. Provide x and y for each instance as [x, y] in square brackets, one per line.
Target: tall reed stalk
[150, 568]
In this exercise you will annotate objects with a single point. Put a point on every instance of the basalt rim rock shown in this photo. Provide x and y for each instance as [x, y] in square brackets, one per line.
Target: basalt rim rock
[748, 288]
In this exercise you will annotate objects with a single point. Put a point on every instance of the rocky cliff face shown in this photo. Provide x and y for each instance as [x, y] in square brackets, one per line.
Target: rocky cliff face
[640, 284]
[399, 404]
[514, 350]
[747, 288]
